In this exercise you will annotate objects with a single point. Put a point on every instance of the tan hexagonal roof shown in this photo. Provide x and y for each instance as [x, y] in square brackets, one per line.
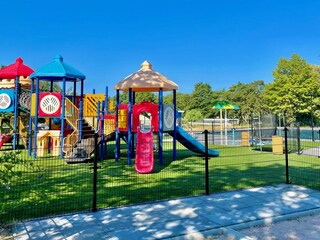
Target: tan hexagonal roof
[146, 80]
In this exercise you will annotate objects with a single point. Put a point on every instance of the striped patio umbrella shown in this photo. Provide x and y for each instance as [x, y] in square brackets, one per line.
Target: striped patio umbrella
[224, 104]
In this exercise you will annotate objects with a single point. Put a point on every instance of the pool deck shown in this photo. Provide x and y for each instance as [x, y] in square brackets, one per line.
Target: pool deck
[183, 218]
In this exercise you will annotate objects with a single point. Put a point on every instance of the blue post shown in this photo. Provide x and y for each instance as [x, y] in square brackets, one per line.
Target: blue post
[36, 119]
[102, 131]
[30, 122]
[106, 112]
[117, 127]
[80, 120]
[98, 118]
[93, 91]
[107, 101]
[63, 115]
[15, 113]
[74, 92]
[134, 136]
[49, 139]
[129, 126]
[174, 125]
[160, 125]
[81, 109]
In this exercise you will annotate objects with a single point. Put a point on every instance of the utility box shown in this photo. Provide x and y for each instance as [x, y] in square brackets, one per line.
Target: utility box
[245, 139]
[277, 145]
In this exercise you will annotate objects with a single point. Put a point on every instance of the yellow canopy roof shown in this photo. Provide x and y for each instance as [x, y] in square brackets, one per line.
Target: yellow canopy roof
[146, 80]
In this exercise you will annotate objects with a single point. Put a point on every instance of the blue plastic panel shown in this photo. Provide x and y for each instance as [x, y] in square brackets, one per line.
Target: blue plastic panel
[6, 100]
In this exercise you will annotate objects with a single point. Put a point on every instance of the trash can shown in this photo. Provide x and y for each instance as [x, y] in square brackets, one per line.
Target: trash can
[245, 139]
[277, 145]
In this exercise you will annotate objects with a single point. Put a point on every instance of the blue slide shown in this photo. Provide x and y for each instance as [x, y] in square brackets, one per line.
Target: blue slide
[191, 143]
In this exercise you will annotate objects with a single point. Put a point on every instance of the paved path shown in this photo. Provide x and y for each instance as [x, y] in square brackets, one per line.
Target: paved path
[186, 218]
[312, 152]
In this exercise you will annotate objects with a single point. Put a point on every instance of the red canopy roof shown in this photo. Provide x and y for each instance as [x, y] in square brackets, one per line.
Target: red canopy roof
[16, 69]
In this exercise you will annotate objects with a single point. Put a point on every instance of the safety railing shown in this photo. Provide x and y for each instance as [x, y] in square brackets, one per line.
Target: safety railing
[90, 104]
[72, 114]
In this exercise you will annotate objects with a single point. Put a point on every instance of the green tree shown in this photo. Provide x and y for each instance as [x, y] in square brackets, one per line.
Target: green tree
[183, 100]
[201, 98]
[140, 96]
[295, 85]
[248, 96]
[146, 96]
[193, 115]
[45, 86]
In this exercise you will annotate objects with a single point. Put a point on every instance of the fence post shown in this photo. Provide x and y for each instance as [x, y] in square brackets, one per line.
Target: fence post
[206, 158]
[298, 139]
[95, 173]
[286, 153]
[212, 128]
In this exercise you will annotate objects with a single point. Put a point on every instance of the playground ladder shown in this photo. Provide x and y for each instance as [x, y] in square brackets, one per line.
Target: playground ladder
[72, 117]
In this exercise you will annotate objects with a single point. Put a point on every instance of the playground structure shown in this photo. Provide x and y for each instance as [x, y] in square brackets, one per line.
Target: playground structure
[71, 120]
[14, 80]
[163, 119]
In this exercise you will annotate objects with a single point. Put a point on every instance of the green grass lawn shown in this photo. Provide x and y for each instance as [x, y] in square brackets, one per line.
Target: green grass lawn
[56, 187]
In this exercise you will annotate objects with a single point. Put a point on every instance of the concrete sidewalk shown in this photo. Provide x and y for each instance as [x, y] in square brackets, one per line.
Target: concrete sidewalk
[186, 218]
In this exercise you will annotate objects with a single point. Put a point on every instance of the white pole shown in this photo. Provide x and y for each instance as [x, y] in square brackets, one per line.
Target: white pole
[221, 141]
[225, 127]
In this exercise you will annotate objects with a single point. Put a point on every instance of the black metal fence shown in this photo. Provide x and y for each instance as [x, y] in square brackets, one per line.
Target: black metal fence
[49, 185]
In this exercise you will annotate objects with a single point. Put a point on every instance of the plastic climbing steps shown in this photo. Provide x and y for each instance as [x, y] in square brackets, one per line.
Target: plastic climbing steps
[77, 150]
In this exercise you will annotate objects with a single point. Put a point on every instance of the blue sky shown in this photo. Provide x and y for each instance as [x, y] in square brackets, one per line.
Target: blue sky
[217, 42]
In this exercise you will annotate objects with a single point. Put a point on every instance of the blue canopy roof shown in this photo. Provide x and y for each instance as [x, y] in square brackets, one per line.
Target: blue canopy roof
[57, 69]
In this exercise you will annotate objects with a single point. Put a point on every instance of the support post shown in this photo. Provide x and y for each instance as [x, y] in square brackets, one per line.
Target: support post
[106, 101]
[15, 120]
[30, 122]
[36, 119]
[80, 121]
[50, 120]
[130, 126]
[133, 134]
[63, 99]
[74, 92]
[117, 153]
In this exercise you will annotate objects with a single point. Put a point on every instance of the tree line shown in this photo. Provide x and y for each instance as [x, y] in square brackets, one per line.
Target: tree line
[293, 93]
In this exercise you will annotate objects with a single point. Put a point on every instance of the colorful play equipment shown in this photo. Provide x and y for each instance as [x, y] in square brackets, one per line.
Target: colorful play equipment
[144, 150]
[4, 138]
[13, 81]
[71, 120]
[163, 119]
[43, 138]
[72, 116]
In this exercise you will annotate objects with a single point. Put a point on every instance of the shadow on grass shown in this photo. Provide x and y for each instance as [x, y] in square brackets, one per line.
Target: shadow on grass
[60, 188]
